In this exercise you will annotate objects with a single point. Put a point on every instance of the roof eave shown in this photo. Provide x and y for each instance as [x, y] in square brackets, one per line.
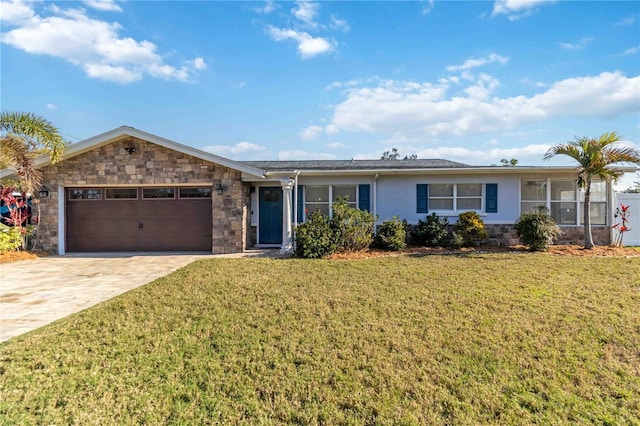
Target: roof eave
[124, 131]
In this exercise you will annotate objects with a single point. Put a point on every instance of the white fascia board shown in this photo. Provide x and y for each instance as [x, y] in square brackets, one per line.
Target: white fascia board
[487, 170]
[124, 131]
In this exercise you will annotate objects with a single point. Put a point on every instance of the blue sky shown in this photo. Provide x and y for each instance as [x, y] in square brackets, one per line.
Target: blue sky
[468, 81]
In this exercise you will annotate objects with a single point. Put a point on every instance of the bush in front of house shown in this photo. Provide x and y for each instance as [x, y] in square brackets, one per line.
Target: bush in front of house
[315, 238]
[11, 238]
[353, 228]
[391, 235]
[432, 232]
[537, 230]
[471, 228]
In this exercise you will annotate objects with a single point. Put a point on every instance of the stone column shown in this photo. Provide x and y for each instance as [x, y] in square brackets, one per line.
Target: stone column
[287, 232]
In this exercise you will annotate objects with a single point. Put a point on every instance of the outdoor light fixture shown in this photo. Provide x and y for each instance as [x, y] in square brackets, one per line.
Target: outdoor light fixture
[44, 192]
[130, 150]
[220, 189]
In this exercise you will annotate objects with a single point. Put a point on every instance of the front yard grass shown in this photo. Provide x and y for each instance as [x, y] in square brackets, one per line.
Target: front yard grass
[476, 339]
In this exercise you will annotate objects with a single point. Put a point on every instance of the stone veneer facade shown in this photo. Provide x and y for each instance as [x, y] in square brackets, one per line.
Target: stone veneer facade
[505, 235]
[150, 164]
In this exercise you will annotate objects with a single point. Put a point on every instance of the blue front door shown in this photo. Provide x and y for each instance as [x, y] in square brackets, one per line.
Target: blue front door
[270, 221]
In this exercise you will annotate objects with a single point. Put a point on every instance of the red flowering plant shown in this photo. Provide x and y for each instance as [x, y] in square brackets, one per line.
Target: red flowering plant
[623, 212]
[16, 213]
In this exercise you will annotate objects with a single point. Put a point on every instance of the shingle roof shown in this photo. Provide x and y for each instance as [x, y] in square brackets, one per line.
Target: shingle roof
[355, 164]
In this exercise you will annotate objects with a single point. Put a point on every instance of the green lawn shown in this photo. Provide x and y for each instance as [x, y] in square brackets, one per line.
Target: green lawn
[504, 339]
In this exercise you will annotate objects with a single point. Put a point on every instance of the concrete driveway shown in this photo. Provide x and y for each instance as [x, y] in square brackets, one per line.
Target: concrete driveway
[37, 292]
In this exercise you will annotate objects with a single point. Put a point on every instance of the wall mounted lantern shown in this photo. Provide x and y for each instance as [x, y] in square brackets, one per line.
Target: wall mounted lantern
[44, 192]
[220, 189]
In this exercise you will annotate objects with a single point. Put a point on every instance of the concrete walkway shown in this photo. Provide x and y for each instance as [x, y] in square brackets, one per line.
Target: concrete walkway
[37, 292]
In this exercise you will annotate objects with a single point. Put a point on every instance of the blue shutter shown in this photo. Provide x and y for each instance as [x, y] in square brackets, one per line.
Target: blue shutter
[364, 197]
[491, 198]
[300, 203]
[423, 198]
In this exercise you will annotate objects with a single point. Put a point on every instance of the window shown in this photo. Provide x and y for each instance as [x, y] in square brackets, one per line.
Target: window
[204, 192]
[316, 199]
[564, 202]
[121, 193]
[533, 195]
[597, 202]
[321, 198]
[561, 198]
[455, 197]
[157, 193]
[85, 194]
[347, 192]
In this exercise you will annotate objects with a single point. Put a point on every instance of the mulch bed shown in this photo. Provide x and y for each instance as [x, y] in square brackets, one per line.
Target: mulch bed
[561, 250]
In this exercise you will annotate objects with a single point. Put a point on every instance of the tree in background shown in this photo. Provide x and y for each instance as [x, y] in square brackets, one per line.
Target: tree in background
[509, 163]
[24, 137]
[595, 158]
[395, 155]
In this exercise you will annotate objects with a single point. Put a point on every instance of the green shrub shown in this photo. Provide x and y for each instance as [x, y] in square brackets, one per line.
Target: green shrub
[353, 228]
[315, 238]
[537, 230]
[391, 235]
[456, 241]
[10, 238]
[471, 228]
[431, 233]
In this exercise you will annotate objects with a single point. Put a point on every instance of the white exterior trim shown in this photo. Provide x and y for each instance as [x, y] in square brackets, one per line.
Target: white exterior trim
[61, 220]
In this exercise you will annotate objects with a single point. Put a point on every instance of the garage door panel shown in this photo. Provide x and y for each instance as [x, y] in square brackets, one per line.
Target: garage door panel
[139, 225]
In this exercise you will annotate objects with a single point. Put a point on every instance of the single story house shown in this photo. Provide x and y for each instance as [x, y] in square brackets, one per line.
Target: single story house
[128, 190]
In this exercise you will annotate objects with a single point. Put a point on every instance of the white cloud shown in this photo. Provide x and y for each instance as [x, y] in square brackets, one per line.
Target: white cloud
[234, 150]
[336, 145]
[93, 45]
[427, 8]
[626, 21]
[239, 85]
[269, 6]
[104, 5]
[308, 46]
[16, 12]
[297, 154]
[311, 132]
[307, 12]
[52, 107]
[339, 24]
[478, 62]
[516, 9]
[581, 44]
[402, 109]
[631, 51]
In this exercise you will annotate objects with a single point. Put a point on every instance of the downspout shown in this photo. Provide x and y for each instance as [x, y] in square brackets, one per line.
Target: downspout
[295, 206]
[375, 200]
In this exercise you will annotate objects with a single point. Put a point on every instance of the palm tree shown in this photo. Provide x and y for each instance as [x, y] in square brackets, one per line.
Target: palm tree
[25, 136]
[594, 157]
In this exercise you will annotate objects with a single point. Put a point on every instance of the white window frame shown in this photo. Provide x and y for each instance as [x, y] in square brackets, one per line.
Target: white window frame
[331, 200]
[579, 201]
[455, 209]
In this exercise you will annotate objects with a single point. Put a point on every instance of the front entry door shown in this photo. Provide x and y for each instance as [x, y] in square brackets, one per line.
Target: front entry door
[270, 221]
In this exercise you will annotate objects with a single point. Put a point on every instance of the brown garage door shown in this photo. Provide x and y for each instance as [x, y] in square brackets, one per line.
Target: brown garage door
[138, 219]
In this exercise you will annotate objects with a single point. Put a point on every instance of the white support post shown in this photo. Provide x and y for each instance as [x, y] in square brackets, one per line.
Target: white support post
[287, 232]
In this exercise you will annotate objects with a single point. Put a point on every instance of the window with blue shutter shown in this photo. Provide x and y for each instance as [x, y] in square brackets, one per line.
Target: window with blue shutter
[364, 197]
[422, 198]
[491, 198]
